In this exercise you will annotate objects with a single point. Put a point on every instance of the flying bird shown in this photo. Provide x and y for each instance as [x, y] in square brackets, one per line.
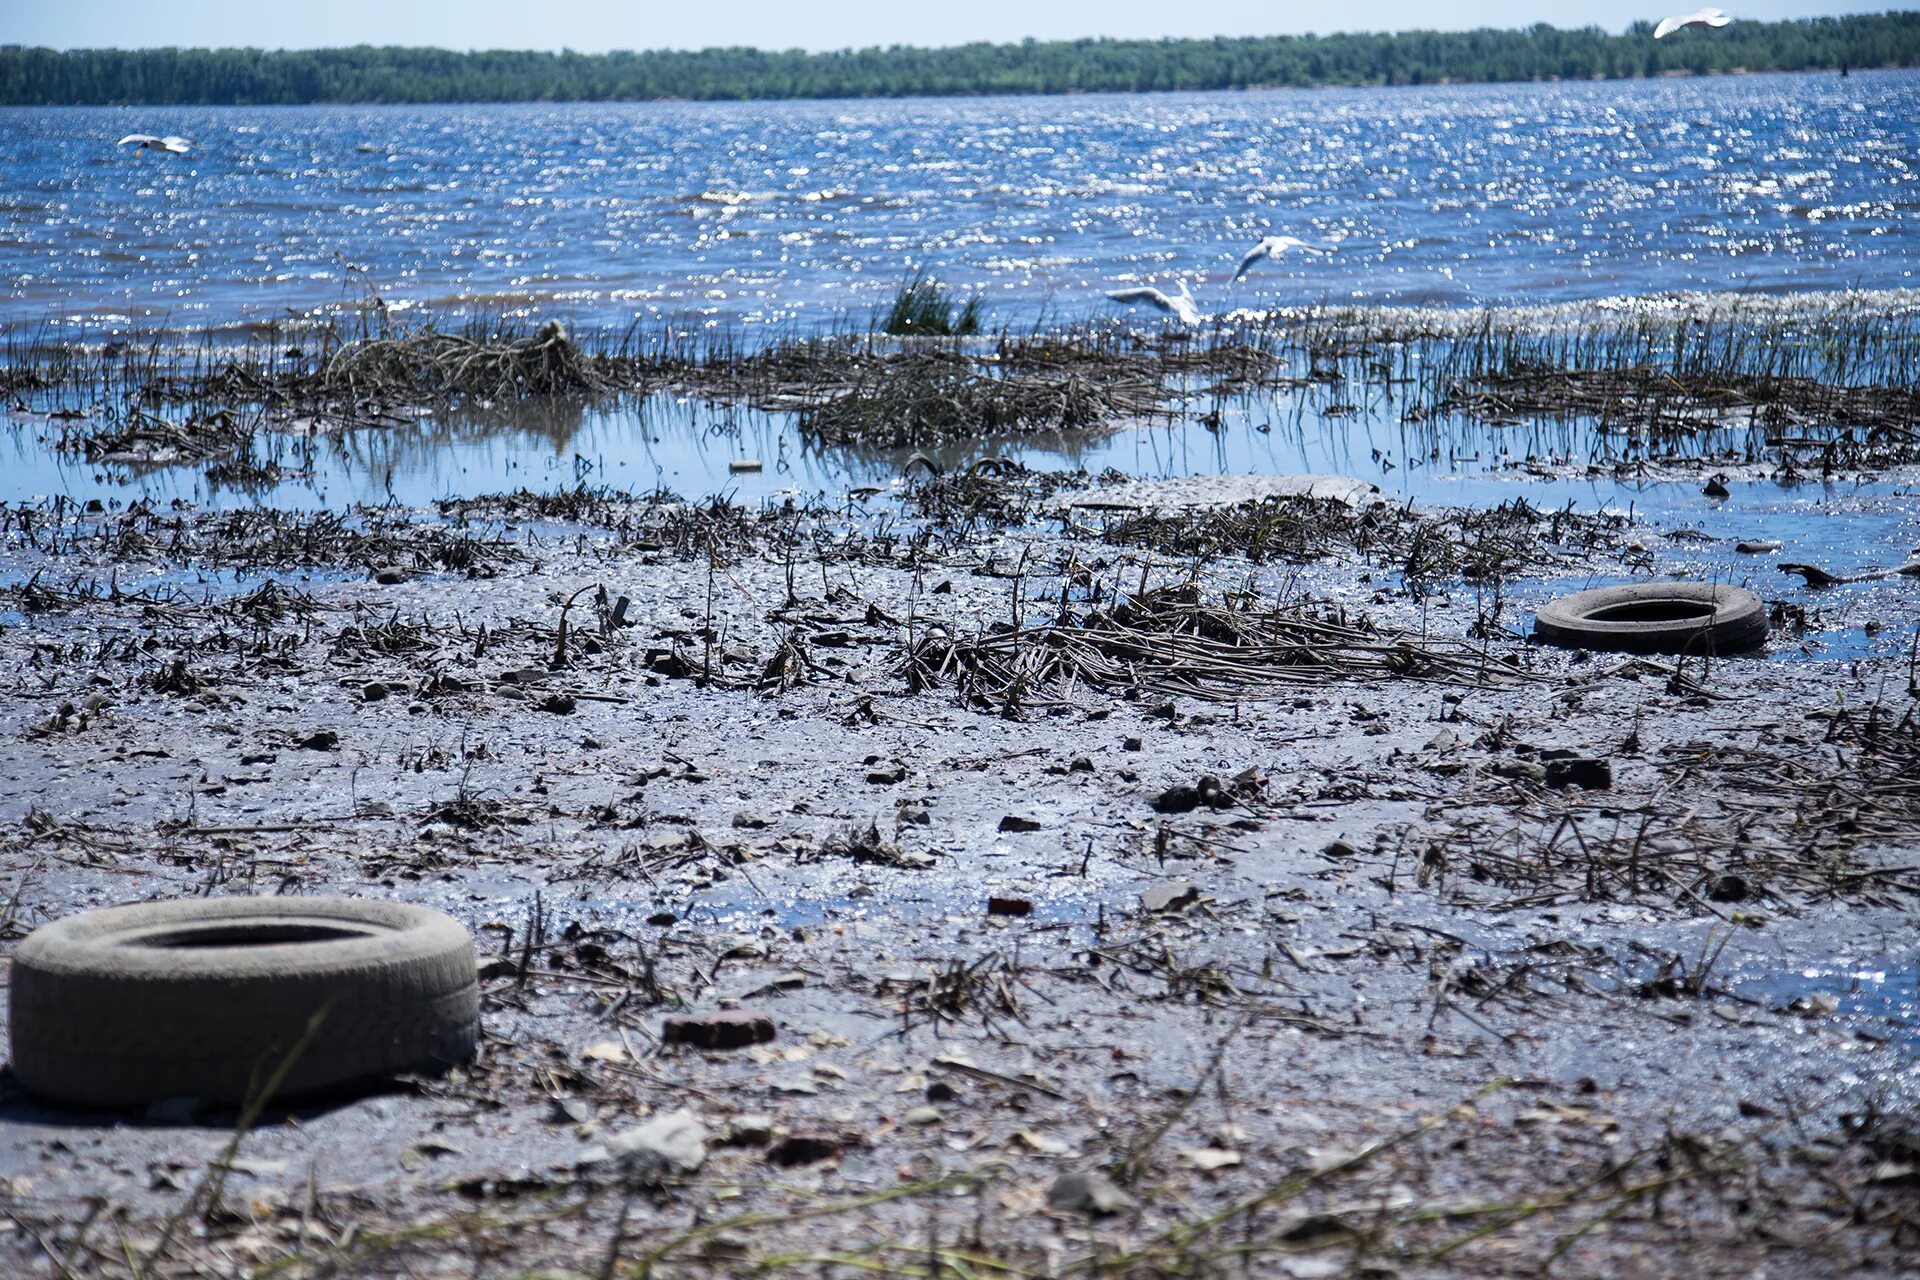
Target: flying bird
[1698, 18]
[1180, 307]
[147, 142]
[1273, 247]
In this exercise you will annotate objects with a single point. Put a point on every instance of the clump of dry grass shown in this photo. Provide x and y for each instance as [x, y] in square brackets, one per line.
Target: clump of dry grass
[1168, 642]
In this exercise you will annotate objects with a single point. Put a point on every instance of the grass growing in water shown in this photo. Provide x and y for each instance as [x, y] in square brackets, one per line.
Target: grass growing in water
[924, 307]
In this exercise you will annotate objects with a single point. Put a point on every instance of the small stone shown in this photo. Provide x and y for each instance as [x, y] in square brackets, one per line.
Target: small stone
[1080, 764]
[668, 1144]
[941, 1091]
[1088, 1192]
[727, 1029]
[1729, 888]
[1579, 771]
[560, 704]
[920, 1117]
[373, 691]
[1340, 849]
[804, 1148]
[1756, 547]
[571, 1111]
[1014, 822]
[1520, 770]
[886, 775]
[1175, 895]
[389, 576]
[321, 740]
[750, 1131]
[1179, 798]
[747, 820]
[1009, 906]
[914, 815]
[1132, 744]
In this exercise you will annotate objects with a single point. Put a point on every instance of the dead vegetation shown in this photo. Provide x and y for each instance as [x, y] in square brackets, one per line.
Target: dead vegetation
[1168, 642]
[1471, 545]
[1803, 819]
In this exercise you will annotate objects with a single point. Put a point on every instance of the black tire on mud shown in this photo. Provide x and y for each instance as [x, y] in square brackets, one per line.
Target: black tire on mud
[207, 998]
[1656, 617]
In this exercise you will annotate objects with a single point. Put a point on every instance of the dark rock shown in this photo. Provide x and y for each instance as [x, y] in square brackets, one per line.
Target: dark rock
[747, 820]
[372, 691]
[727, 1029]
[1133, 744]
[1340, 849]
[560, 704]
[914, 815]
[1182, 798]
[885, 775]
[388, 576]
[1009, 906]
[1080, 764]
[1014, 822]
[1729, 888]
[1579, 771]
[941, 1091]
[804, 1148]
[321, 740]
[1179, 798]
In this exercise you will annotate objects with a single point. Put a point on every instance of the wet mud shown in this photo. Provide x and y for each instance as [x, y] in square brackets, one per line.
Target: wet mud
[1246, 856]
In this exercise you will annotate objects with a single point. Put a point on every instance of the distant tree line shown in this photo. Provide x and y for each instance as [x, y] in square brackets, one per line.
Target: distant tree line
[47, 77]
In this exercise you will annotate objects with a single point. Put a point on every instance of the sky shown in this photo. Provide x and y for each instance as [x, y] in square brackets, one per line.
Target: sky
[597, 25]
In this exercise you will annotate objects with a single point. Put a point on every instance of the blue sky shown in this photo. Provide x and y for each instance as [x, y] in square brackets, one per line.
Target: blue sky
[594, 25]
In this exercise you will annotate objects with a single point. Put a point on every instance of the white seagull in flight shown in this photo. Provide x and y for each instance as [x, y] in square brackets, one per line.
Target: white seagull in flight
[1181, 308]
[147, 142]
[1273, 247]
[1698, 18]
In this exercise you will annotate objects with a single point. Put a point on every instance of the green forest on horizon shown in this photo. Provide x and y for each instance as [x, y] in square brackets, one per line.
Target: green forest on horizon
[49, 77]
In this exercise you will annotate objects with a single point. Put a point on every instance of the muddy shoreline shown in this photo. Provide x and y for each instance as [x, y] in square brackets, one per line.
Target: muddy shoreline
[1384, 999]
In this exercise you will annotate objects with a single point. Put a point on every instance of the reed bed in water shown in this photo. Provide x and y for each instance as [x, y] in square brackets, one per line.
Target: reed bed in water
[1169, 643]
[1673, 371]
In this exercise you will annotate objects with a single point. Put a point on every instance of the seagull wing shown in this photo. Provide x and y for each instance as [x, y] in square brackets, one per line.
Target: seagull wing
[1144, 293]
[172, 143]
[1254, 255]
[1283, 244]
[136, 140]
[1715, 17]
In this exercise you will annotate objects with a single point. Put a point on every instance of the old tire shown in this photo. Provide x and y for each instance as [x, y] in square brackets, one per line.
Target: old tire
[1656, 617]
[207, 998]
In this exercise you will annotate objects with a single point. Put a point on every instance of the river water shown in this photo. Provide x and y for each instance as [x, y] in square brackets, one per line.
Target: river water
[743, 214]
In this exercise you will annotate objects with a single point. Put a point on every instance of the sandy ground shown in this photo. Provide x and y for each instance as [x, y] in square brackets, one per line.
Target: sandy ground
[1397, 1007]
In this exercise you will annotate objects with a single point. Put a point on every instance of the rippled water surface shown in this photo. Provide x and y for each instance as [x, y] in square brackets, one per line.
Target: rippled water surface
[797, 212]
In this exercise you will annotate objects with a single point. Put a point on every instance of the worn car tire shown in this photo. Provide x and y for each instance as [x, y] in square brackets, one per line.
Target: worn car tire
[1656, 617]
[207, 998]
